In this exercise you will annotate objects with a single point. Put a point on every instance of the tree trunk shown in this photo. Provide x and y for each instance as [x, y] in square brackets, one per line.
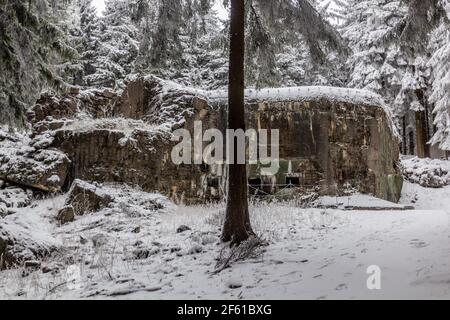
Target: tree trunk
[422, 127]
[423, 150]
[404, 140]
[237, 227]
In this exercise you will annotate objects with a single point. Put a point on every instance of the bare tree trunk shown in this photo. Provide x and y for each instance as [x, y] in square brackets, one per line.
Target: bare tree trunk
[422, 127]
[237, 226]
[423, 150]
[405, 139]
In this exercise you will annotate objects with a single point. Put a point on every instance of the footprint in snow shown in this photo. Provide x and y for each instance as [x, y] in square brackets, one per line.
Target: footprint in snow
[342, 286]
[417, 243]
[348, 274]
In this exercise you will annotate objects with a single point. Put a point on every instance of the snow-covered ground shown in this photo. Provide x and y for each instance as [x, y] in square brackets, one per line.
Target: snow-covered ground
[312, 253]
[433, 173]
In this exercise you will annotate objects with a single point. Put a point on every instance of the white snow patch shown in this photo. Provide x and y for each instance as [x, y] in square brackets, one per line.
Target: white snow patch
[31, 229]
[313, 253]
[357, 200]
[307, 93]
[54, 179]
[426, 172]
[127, 126]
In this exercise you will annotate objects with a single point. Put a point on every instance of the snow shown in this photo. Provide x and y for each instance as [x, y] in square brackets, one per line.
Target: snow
[54, 179]
[426, 172]
[124, 125]
[357, 97]
[13, 142]
[312, 253]
[42, 141]
[99, 5]
[22, 160]
[30, 230]
[425, 198]
[128, 127]
[130, 201]
[358, 201]
[12, 198]
[308, 93]
[222, 12]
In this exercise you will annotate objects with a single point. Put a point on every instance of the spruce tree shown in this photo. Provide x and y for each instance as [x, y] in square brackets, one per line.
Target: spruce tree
[380, 66]
[440, 90]
[84, 36]
[287, 43]
[31, 40]
[117, 46]
[390, 43]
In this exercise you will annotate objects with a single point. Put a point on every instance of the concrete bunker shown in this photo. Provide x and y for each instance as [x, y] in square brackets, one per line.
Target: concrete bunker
[331, 139]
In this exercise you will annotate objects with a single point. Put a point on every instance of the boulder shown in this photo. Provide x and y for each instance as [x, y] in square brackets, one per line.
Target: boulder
[29, 163]
[85, 198]
[44, 170]
[66, 215]
[6, 258]
[182, 229]
[19, 243]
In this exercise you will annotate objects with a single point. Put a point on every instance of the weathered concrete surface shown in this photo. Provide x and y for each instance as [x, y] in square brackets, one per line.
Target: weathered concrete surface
[336, 145]
[332, 144]
[139, 158]
[96, 103]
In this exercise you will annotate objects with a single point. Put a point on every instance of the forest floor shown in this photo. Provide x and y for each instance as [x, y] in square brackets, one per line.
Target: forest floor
[312, 253]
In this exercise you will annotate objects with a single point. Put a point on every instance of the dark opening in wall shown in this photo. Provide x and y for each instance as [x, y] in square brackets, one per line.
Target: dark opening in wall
[293, 181]
[255, 186]
[204, 168]
[213, 182]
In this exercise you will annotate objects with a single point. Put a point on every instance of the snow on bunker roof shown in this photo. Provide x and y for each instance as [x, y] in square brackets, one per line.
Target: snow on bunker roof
[306, 93]
[311, 93]
[357, 97]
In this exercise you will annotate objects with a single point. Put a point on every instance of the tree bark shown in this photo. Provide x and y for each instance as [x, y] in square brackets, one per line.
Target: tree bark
[405, 139]
[237, 227]
[423, 150]
[422, 127]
